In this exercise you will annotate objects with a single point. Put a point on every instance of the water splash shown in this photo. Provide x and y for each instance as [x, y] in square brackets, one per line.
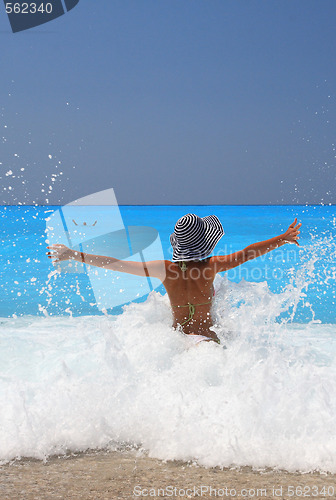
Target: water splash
[268, 399]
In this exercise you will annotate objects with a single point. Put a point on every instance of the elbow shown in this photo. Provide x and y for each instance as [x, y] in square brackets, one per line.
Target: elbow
[250, 255]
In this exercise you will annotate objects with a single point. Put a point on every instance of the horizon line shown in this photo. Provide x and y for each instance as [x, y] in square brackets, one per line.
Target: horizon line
[182, 205]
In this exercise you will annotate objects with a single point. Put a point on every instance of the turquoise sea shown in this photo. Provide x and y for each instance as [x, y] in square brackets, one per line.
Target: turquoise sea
[89, 360]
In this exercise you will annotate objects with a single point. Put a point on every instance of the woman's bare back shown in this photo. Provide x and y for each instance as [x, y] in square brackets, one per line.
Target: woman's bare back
[190, 292]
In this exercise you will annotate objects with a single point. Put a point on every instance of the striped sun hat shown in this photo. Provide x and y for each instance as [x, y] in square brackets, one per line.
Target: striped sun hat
[194, 238]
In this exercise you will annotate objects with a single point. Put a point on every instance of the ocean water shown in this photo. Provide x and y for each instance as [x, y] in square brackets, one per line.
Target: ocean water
[76, 375]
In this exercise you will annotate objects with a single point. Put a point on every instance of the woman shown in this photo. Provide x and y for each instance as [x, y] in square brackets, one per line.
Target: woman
[188, 279]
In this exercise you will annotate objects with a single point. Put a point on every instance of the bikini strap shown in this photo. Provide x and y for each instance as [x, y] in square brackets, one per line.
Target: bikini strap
[191, 310]
[191, 313]
[182, 265]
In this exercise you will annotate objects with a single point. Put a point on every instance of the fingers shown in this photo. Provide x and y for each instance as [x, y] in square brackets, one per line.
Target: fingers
[56, 252]
[56, 245]
[53, 255]
[294, 230]
[56, 248]
[293, 223]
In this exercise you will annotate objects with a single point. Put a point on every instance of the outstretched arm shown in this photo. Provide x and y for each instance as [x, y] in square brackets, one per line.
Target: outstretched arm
[226, 262]
[155, 268]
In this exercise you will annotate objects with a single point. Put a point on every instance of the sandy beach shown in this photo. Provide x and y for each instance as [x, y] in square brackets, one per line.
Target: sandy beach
[127, 475]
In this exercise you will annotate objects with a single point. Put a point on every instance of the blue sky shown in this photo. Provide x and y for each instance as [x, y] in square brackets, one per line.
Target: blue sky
[172, 102]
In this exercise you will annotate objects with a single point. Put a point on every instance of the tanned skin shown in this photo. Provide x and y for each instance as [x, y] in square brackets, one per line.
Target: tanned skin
[194, 285]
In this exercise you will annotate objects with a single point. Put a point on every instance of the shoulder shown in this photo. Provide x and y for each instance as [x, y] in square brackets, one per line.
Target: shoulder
[219, 263]
[171, 266]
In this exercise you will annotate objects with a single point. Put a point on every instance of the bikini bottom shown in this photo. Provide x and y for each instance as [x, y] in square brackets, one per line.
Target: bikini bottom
[196, 339]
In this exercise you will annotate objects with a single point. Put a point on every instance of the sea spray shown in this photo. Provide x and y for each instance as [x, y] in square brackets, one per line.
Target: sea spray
[70, 381]
[267, 400]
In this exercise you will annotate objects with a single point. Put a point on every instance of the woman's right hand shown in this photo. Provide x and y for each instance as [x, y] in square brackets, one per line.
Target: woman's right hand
[59, 252]
[291, 235]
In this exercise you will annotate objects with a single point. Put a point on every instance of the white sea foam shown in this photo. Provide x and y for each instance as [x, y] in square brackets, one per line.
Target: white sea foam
[268, 399]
